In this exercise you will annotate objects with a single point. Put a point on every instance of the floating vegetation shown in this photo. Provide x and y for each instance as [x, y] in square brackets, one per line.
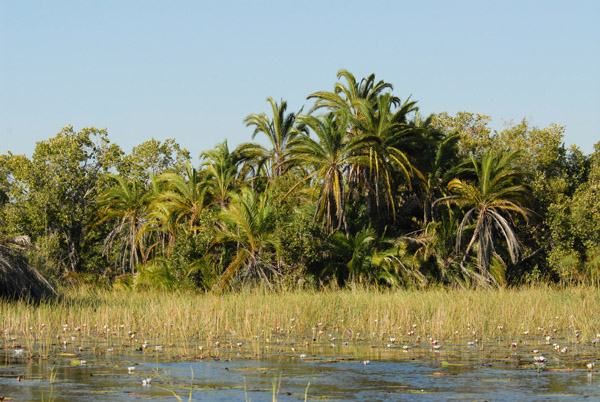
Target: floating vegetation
[123, 338]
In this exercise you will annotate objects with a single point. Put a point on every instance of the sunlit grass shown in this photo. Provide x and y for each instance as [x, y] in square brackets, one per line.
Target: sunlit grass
[195, 322]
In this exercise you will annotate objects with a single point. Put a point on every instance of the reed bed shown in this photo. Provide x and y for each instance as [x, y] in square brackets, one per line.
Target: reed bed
[253, 317]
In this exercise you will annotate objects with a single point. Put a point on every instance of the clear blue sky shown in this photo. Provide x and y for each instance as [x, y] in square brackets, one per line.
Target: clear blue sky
[192, 70]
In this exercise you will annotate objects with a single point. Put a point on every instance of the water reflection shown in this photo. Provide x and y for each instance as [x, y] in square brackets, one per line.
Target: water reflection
[488, 370]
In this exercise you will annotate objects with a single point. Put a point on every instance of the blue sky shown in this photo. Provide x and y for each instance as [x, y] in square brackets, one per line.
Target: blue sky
[192, 70]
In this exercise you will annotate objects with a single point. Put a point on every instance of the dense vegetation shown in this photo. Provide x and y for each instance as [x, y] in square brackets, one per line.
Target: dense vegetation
[361, 190]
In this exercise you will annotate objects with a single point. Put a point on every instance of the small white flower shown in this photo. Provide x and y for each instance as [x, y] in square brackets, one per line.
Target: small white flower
[147, 381]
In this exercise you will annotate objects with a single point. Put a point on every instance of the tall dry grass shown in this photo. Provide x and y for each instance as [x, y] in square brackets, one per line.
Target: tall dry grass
[363, 314]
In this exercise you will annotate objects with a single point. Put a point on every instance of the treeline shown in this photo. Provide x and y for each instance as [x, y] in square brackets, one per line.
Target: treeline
[361, 189]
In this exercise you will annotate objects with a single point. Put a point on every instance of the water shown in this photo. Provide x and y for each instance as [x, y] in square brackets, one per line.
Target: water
[480, 372]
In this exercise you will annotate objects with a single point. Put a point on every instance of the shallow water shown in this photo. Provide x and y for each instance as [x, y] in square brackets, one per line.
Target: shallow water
[320, 371]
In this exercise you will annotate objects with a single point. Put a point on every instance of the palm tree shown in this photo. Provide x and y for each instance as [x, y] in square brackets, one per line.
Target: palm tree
[439, 168]
[280, 130]
[226, 170]
[158, 226]
[125, 205]
[386, 158]
[248, 222]
[355, 253]
[387, 155]
[345, 97]
[491, 203]
[185, 197]
[329, 157]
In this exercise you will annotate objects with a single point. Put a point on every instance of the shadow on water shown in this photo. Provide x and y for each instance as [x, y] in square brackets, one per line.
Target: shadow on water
[288, 372]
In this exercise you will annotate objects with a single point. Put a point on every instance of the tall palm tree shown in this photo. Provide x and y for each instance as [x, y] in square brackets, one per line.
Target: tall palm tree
[344, 97]
[280, 130]
[491, 202]
[124, 204]
[329, 156]
[387, 156]
[248, 222]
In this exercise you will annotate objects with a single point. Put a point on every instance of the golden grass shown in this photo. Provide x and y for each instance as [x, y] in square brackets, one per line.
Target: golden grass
[255, 316]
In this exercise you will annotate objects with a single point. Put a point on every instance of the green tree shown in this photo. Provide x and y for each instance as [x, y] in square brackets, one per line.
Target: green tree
[59, 188]
[281, 129]
[227, 170]
[574, 229]
[248, 223]
[385, 161]
[490, 203]
[328, 157]
[185, 197]
[152, 158]
[346, 97]
[473, 128]
[124, 207]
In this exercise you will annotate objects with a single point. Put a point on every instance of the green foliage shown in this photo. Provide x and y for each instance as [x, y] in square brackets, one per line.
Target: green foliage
[152, 158]
[490, 205]
[53, 193]
[369, 193]
[280, 131]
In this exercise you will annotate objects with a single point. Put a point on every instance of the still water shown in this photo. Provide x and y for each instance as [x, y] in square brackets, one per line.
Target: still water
[288, 372]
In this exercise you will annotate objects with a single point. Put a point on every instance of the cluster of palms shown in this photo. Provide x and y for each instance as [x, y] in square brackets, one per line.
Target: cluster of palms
[372, 189]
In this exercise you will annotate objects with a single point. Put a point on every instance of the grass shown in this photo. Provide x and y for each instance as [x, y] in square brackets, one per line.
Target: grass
[191, 320]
